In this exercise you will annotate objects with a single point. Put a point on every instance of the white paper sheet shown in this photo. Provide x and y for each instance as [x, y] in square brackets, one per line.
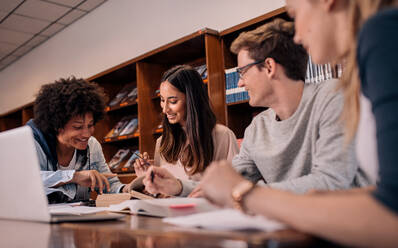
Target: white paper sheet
[226, 219]
[61, 209]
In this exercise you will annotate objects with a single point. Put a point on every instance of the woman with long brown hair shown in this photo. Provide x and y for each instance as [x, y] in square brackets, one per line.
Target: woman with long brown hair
[362, 33]
[191, 138]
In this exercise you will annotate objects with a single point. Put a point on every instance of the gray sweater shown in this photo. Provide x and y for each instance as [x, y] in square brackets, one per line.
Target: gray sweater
[305, 151]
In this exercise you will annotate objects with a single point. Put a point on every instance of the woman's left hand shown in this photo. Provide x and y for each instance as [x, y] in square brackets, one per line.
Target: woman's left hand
[160, 180]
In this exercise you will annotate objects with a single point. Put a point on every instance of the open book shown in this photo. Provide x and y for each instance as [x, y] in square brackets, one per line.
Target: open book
[165, 207]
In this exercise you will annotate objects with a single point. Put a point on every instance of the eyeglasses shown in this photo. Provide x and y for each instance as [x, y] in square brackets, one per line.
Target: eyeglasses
[242, 70]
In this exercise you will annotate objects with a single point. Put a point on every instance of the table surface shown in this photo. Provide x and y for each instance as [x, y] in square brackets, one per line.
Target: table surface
[142, 231]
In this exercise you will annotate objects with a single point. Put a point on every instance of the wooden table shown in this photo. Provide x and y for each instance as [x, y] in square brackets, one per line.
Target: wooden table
[140, 231]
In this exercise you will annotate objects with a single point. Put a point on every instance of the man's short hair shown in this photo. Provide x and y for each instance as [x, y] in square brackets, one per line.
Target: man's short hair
[275, 40]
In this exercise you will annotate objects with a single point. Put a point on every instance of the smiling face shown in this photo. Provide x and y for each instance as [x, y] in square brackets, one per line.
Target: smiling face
[317, 28]
[255, 81]
[173, 104]
[77, 131]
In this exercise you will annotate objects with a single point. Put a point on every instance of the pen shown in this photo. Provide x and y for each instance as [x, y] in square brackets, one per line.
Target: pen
[152, 176]
[141, 157]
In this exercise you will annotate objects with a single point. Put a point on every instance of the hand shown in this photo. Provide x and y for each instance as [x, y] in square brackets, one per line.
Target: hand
[160, 180]
[142, 165]
[219, 190]
[92, 179]
[196, 192]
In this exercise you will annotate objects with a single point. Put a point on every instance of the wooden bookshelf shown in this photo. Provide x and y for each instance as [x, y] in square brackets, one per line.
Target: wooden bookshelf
[205, 46]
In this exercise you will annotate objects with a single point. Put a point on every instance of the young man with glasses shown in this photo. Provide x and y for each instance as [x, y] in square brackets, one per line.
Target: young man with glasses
[297, 144]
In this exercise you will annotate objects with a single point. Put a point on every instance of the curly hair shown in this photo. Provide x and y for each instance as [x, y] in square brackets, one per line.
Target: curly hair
[58, 102]
[275, 40]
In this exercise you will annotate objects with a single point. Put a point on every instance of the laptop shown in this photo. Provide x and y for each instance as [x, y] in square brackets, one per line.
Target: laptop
[21, 189]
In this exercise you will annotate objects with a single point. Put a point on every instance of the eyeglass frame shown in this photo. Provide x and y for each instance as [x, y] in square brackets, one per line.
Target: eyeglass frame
[240, 70]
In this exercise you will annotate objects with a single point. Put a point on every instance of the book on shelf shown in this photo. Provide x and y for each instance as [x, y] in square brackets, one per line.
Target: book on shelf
[119, 158]
[202, 70]
[131, 160]
[121, 95]
[131, 96]
[115, 131]
[317, 73]
[234, 93]
[157, 93]
[158, 128]
[130, 127]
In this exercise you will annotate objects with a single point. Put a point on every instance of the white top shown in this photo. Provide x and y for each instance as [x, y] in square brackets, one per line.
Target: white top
[72, 164]
[225, 147]
[366, 146]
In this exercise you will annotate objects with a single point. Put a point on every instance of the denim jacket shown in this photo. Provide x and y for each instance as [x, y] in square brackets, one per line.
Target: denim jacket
[51, 176]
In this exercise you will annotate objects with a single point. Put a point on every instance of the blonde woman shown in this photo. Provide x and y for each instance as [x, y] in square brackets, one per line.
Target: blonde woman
[363, 217]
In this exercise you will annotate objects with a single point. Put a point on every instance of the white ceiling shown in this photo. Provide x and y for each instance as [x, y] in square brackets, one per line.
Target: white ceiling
[25, 24]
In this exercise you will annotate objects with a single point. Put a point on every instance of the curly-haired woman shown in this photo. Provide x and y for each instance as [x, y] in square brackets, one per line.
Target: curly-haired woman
[71, 159]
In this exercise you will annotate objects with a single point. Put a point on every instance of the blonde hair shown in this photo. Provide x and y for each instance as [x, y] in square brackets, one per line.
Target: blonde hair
[359, 12]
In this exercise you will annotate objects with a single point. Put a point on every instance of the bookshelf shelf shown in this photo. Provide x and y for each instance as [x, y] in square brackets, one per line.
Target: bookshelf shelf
[237, 103]
[121, 138]
[157, 131]
[121, 106]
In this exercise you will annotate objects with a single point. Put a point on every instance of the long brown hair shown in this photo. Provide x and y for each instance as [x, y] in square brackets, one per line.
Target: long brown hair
[359, 12]
[194, 147]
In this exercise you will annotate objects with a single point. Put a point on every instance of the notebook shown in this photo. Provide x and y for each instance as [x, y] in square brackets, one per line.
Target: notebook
[21, 189]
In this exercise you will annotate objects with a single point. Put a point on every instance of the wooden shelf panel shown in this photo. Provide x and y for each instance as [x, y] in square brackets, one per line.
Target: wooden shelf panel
[121, 138]
[121, 106]
[238, 102]
[158, 131]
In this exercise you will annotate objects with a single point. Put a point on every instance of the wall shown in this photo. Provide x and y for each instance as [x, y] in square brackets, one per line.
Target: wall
[115, 32]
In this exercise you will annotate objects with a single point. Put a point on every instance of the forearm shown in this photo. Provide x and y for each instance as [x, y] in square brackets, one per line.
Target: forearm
[53, 179]
[349, 218]
[312, 181]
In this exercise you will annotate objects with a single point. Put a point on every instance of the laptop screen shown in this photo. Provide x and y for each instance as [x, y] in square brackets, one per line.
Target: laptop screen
[21, 189]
